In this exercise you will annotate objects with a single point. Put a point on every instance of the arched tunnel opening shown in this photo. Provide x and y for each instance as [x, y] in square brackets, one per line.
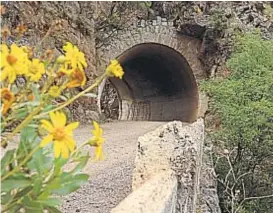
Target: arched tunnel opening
[158, 85]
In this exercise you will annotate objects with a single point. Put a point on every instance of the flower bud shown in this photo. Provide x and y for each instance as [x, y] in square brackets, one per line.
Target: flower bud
[61, 59]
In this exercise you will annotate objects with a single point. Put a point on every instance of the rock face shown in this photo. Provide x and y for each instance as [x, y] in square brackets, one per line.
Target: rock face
[216, 23]
[179, 148]
[212, 24]
[77, 26]
[109, 102]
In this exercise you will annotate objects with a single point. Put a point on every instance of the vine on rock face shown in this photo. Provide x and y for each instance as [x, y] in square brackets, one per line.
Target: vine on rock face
[32, 170]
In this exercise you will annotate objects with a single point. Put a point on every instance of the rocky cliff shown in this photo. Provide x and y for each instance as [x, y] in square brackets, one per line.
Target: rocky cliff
[91, 24]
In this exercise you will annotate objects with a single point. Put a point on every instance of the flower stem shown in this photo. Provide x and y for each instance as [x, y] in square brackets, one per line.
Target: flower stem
[25, 122]
[78, 148]
[76, 96]
[21, 164]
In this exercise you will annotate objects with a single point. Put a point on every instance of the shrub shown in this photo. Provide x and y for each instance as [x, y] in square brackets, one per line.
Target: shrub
[33, 172]
[244, 142]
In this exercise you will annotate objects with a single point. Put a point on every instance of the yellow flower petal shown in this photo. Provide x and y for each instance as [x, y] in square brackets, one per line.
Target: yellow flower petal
[47, 125]
[100, 141]
[46, 140]
[64, 151]
[57, 149]
[62, 118]
[60, 134]
[70, 144]
[74, 57]
[55, 91]
[14, 61]
[72, 126]
[115, 69]
[96, 125]
[99, 153]
[53, 118]
[35, 70]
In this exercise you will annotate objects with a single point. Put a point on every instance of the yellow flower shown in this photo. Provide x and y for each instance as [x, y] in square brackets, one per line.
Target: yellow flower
[13, 62]
[74, 57]
[55, 91]
[7, 98]
[64, 70]
[97, 141]
[115, 69]
[28, 50]
[77, 78]
[35, 70]
[60, 134]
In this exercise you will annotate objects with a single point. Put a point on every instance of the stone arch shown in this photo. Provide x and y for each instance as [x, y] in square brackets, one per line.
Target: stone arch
[141, 51]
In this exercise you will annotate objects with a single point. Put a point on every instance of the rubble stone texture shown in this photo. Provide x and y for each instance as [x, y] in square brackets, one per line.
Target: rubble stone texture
[109, 102]
[211, 25]
[77, 27]
[157, 195]
[216, 24]
[179, 147]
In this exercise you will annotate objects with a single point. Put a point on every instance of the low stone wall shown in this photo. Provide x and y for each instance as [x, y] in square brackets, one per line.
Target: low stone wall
[172, 173]
[157, 195]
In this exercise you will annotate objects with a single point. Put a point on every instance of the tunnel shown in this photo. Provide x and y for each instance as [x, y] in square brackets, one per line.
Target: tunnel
[158, 85]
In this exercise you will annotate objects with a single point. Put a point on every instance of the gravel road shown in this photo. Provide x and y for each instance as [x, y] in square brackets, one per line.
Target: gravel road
[110, 180]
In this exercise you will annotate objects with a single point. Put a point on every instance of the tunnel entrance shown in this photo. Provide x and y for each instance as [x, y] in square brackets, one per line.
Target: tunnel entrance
[158, 85]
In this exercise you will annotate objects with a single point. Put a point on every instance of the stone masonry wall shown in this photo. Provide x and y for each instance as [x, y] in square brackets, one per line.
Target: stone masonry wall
[174, 149]
[180, 148]
[159, 30]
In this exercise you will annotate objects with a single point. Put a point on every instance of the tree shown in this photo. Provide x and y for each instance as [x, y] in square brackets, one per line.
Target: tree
[244, 143]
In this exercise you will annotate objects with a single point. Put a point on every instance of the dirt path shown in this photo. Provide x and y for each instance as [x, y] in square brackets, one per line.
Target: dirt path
[110, 180]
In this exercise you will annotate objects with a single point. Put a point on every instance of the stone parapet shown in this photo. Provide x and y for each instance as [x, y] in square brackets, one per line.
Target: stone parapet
[172, 173]
[162, 188]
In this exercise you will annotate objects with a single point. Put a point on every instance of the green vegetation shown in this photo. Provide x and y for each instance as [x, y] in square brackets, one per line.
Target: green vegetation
[244, 142]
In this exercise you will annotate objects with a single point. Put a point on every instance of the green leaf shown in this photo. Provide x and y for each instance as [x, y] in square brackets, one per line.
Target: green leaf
[83, 160]
[21, 113]
[27, 104]
[32, 206]
[40, 162]
[14, 183]
[28, 134]
[23, 192]
[58, 164]
[6, 160]
[53, 184]
[148, 3]
[51, 202]
[37, 186]
[53, 209]
[36, 92]
[71, 183]
[48, 108]
[5, 198]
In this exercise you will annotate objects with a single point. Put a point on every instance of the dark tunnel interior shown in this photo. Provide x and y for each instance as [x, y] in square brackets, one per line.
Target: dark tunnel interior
[158, 85]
